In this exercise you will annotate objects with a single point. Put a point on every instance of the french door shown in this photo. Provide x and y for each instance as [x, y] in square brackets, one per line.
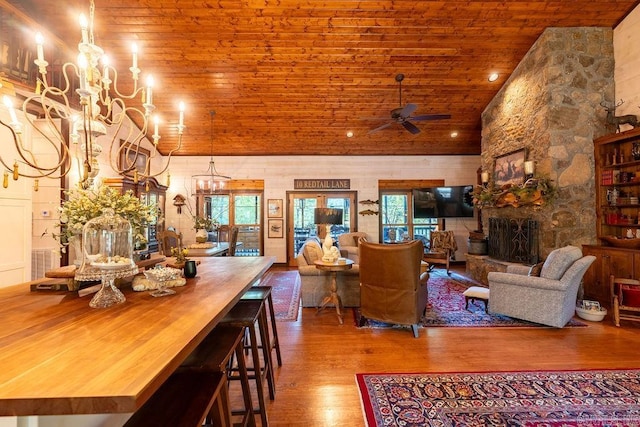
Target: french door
[300, 212]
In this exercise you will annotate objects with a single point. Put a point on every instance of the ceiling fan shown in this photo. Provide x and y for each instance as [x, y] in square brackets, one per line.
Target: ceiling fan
[402, 115]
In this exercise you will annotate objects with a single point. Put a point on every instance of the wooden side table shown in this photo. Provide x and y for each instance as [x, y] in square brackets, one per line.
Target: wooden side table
[333, 297]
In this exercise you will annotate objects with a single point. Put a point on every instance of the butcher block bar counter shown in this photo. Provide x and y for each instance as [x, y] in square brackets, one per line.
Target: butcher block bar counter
[59, 356]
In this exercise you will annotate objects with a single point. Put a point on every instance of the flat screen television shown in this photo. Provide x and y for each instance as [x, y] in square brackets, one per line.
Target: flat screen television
[443, 202]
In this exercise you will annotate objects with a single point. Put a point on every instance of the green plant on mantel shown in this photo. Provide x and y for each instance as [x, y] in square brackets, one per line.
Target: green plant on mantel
[534, 192]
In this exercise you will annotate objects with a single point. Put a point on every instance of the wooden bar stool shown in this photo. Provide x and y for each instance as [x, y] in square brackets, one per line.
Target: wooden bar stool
[183, 400]
[246, 315]
[265, 293]
[215, 354]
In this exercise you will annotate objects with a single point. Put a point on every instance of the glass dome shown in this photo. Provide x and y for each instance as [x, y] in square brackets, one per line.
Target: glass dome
[107, 247]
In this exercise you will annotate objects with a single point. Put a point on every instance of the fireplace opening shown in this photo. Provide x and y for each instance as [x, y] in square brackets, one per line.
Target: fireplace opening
[514, 240]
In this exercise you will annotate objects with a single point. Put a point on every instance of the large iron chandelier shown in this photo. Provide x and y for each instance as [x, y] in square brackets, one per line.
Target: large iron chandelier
[102, 107]
[211, 181]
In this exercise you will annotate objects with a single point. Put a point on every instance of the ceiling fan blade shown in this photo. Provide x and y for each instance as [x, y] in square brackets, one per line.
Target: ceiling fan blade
[384, 126]
[411, 127]
[431, 117]
[407, 110]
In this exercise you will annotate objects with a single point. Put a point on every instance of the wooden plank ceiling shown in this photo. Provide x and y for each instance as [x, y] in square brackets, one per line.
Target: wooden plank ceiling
[292, 77]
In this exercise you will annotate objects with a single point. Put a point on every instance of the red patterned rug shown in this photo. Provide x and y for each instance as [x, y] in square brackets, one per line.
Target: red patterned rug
[446, 307]
[526, 399]
[285, 293]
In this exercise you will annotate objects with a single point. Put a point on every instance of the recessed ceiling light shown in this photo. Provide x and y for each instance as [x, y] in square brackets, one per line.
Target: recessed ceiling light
[349, 134]
[493, 77]
[454, 134]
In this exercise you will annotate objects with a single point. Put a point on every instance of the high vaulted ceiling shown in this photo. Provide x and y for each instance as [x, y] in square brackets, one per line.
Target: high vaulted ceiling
[292, 77]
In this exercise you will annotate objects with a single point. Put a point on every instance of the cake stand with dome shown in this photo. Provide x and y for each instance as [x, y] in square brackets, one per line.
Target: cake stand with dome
[107, 246]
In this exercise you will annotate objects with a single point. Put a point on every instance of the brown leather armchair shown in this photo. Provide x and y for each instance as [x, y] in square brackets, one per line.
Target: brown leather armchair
[392, 287]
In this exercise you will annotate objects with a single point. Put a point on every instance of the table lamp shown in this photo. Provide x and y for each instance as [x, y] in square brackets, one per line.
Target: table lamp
[328, 217]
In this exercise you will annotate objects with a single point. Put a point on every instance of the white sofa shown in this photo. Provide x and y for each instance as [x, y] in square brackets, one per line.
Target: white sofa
[316, 284]
[348, 244]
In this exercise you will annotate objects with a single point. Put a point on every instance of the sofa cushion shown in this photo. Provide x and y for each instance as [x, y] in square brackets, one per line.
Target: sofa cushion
[312, 252]
[559, 261]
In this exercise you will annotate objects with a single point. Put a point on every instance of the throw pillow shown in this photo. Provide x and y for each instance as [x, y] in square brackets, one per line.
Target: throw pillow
[312, 252]
[630, 296]
[536, 269]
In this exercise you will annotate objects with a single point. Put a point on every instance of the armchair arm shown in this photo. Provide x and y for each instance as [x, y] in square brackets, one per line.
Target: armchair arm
[526, 281]
[520, 269]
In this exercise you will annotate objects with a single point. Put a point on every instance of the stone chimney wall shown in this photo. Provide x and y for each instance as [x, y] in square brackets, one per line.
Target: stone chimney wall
[551, 107]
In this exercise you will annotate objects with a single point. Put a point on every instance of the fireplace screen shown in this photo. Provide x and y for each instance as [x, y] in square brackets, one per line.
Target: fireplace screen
[514, 240]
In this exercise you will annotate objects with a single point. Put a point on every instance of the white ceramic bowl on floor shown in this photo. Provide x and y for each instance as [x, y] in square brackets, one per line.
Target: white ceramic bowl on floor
[591, 315]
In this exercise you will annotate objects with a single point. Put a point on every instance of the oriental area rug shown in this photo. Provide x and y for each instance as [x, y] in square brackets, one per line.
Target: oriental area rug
[526, 399]
[285, 293]
[446, 308]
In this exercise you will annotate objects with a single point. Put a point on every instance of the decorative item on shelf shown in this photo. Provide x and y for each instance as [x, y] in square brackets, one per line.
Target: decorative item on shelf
[107, 245]
[328, 217]
[101, 105]
[83, 205]
[621, 242]
[484, 177]
[533, 192]
[635, 150]
[616, 121]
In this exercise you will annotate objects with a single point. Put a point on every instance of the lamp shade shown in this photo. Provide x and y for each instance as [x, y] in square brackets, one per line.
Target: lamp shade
[327, 216]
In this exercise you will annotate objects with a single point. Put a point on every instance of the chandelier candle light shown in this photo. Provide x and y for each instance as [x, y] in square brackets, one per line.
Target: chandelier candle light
[102, 106]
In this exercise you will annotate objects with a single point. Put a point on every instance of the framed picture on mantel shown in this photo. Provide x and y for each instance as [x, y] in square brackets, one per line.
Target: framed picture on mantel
[509, 168]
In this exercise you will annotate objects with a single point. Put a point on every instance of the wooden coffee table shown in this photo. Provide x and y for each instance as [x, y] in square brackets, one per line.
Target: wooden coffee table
[333, 297]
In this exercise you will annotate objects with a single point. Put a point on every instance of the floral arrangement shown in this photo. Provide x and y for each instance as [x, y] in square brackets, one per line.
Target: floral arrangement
[204, 223]
[534, 192]
[180, 254]
[82, 205]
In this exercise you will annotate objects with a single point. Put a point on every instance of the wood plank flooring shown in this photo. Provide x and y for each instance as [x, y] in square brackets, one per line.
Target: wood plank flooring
[316, 384]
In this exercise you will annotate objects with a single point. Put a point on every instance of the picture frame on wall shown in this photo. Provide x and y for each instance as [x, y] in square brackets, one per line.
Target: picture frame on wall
[274, 208]
[276, 229]
[128, 157]
[509, 168]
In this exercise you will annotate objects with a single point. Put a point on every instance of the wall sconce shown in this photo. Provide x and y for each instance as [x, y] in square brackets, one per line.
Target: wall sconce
[484, 177]
[529, 168]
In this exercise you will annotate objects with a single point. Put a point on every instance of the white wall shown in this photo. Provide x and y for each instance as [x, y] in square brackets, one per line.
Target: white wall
[626, 49]
[278, 173]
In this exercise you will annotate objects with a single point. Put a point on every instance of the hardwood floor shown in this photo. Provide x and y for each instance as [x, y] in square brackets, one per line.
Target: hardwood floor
[316, 384]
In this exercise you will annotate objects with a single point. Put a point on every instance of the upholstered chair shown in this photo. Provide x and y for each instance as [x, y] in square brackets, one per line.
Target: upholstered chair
[348, 244]
[393, 289]
[548, 299]
[442, 246]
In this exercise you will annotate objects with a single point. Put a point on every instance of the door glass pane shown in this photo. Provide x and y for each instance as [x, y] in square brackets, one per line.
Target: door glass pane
[344, 204]
[218, 208]
[303, 225]
[246, 210]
